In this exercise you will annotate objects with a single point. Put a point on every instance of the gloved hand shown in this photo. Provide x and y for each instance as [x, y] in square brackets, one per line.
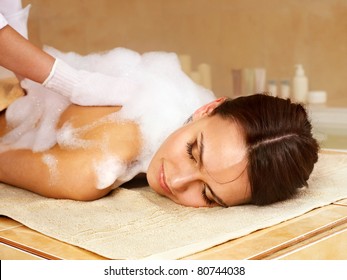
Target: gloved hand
[33, 118]
[89, 88]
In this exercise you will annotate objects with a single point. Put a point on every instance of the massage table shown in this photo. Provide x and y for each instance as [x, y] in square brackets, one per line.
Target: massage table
[318, 234]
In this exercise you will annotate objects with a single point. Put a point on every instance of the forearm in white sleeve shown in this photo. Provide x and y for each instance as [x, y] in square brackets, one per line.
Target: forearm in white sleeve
[8, 7]
[19, 20]
[89, 88]
[3, 21]
[14, 15]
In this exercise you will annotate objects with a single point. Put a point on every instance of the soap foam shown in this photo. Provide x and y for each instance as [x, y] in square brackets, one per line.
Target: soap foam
[52, 164]
[33, 118]
[164, 98]
[108, 170]
[70, 138]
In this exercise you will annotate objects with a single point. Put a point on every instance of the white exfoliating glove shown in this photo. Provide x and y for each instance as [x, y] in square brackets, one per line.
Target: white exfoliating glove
[89, 88]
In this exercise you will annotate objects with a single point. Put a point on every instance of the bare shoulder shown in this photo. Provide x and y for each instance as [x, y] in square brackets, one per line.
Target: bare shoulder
[96, 128]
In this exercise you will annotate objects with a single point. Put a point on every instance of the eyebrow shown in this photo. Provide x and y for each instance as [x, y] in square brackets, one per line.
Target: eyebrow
[201, 148]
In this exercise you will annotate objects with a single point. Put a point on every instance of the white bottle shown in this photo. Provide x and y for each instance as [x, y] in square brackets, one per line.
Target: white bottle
[300, 85]
[285, 89]
[272, 88]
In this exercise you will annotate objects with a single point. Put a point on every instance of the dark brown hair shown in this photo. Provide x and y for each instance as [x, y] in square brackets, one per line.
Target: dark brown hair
[281, 149]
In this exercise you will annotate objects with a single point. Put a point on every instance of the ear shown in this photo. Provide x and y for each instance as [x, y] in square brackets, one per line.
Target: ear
[208, 108]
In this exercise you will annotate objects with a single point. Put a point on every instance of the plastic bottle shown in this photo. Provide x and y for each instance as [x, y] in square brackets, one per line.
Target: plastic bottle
[300, 84]
[285, 89]
[259, 80]
[272, 87]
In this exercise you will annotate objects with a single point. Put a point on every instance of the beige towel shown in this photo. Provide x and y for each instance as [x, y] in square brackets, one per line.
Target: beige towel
[10, 90]
[137, 223]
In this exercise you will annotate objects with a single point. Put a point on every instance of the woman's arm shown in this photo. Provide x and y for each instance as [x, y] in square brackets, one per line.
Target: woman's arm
[26, 60]
[22, 57]
[55, 174]
[70, 173]
[81, 87]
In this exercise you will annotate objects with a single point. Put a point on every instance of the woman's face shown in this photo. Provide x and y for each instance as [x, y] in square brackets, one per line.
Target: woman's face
[202, 164]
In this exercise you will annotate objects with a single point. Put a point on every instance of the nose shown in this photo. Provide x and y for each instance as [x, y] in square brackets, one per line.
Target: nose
[184, 178]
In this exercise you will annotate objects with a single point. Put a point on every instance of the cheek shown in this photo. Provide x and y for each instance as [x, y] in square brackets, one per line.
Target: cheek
[190, 199]
[168, 151]
[172, 146]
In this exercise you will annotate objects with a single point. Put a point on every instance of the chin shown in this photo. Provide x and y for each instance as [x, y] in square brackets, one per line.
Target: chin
[151, 182]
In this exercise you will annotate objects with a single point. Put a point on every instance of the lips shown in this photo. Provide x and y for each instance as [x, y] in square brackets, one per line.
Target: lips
[162, 180]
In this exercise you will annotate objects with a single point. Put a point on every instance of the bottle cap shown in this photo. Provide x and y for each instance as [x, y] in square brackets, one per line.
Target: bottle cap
[299, 70]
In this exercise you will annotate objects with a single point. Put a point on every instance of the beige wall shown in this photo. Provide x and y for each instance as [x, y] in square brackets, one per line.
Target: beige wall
[275, 34]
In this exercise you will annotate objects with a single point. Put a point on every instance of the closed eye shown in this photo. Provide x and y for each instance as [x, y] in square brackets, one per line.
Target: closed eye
[205, 197]
[189, 148]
